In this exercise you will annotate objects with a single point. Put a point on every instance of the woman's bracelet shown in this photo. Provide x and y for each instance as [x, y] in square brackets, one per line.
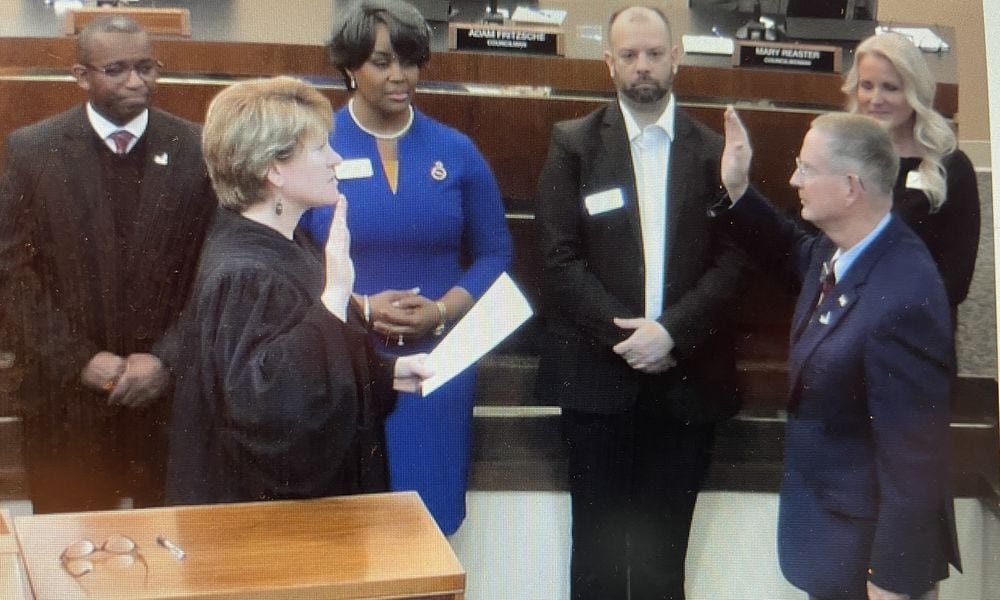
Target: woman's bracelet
[443, 313]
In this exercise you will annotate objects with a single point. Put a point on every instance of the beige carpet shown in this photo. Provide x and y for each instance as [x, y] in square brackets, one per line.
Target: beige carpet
[977, 341]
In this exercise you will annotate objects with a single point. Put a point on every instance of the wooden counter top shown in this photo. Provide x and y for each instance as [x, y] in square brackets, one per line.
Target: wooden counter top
[372, 546]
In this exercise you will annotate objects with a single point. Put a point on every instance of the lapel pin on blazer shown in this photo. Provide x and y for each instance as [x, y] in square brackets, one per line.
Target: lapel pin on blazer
[161, 158]
[842, 301]
[824, 319]
[438, 172]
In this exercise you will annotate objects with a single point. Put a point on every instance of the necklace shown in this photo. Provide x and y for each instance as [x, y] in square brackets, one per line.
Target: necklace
[375, 134]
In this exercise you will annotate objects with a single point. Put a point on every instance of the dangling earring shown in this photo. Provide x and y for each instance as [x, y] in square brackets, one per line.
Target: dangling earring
[278, 207]
[351, 82]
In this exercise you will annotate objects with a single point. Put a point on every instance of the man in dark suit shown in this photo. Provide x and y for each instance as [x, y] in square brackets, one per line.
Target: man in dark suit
[865, 508]
[637, 288]
[103, 210]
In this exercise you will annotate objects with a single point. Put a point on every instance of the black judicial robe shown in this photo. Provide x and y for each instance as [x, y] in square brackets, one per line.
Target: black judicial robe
[276, 398]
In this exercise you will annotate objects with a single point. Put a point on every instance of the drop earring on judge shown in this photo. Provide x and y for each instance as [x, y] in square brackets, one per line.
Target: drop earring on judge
[278, 206]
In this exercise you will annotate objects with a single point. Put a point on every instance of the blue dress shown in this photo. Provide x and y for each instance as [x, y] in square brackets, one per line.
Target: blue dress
[444, 226]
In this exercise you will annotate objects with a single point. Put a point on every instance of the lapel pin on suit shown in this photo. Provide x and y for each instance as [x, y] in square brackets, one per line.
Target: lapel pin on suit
[824, 319]
[438, 172]
[161, 158]
[842, 301]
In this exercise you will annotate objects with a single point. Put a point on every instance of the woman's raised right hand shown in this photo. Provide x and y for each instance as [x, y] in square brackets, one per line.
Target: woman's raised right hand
[339, 267]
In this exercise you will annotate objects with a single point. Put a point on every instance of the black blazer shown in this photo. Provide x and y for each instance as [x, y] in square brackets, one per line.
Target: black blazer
[593, 272]
[65, 285]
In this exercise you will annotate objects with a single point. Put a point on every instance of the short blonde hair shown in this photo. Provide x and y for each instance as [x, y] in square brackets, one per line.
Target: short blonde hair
[931, 131]
[252, 124]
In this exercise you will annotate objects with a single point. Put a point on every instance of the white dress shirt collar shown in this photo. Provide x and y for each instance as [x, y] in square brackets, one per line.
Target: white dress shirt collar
[105, 128]
[844, 259]
[664, 122]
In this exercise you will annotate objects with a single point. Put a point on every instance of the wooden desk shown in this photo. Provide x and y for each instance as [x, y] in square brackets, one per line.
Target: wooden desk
[13, 580]
[261, 37]
[506, 103]
[375, 546]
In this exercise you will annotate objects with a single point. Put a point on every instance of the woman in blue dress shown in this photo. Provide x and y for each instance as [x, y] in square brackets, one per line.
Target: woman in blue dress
[428, 236]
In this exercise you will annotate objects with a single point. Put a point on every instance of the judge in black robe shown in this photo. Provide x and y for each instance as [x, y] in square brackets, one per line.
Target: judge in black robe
[279, 391]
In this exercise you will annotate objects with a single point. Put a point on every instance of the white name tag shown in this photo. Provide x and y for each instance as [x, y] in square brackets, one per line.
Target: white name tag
[355, 168]
[602, 202]
[915, 181]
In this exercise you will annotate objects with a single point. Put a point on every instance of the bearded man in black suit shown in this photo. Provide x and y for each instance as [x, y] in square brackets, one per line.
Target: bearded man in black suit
[638, 283]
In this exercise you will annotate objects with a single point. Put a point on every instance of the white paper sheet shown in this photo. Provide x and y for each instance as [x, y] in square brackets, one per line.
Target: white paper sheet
[497, 314]
[707, 44]
[922, 37]
[539, 16]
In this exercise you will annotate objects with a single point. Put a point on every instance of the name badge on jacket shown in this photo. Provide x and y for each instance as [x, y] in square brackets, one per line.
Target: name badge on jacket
[602, 202]
[915, 181]
[355, 168]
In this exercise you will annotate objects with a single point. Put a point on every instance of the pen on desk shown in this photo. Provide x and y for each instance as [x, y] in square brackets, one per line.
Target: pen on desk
[171, 547]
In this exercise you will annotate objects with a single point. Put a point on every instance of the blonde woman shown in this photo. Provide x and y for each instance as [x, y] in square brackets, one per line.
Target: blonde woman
[936, 192]
[279, 392]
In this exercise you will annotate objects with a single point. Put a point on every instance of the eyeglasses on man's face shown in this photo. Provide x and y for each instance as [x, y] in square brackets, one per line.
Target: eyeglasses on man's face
[807, 171]
[803, 169]
[147, 70]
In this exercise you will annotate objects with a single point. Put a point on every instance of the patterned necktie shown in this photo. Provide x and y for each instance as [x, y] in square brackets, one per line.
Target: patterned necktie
[828, 279]
[121, 138]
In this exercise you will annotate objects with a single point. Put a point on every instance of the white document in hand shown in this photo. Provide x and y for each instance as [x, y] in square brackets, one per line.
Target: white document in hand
[501, 310]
